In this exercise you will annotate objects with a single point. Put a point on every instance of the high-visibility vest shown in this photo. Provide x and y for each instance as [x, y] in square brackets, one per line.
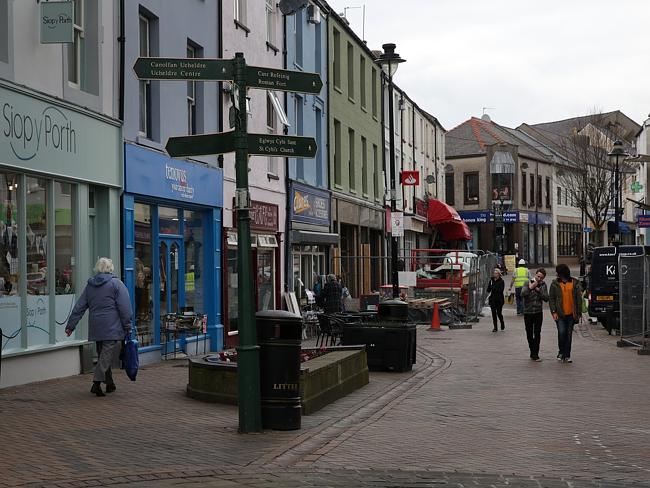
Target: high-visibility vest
[189, 282]
[521, 276]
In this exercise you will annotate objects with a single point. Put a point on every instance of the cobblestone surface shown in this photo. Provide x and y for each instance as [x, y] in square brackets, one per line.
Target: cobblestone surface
[475, 411]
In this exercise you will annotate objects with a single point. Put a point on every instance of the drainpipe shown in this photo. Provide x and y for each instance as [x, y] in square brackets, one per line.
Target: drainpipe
[121, 40]
[435, 157]
[220, 85]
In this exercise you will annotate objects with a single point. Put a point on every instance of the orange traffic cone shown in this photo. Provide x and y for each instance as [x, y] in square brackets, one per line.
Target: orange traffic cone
[435, 318]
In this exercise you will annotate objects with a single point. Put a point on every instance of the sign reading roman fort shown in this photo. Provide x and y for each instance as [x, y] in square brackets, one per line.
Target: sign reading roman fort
[57, 138]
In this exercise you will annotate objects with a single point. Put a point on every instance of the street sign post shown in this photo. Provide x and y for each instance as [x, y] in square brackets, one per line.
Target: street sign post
[283, 80]
[200, 69]
[244, 144]
[200, 145]
[286, 146]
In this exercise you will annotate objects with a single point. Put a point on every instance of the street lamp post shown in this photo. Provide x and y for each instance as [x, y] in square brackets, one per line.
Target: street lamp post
[389, 61]
[617, 153]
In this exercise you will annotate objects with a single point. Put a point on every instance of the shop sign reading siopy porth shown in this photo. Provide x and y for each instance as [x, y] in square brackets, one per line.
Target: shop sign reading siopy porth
[57, 22]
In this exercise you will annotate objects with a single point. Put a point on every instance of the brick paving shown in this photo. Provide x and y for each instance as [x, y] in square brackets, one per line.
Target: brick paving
[475, 411]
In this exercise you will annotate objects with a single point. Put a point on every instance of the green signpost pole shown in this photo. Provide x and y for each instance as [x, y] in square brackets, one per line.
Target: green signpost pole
[248, 352]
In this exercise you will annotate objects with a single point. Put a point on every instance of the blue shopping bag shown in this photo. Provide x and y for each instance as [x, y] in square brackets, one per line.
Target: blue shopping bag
[130, 359]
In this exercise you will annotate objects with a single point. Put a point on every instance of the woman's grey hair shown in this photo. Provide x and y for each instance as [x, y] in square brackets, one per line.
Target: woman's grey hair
[104, 265]
[331, 278]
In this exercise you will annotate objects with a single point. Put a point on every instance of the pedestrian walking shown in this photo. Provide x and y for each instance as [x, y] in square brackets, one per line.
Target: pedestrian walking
[331, 295]
[533, 296]
[520, 277]
[565, 302]
[496, 299]
[109, 320]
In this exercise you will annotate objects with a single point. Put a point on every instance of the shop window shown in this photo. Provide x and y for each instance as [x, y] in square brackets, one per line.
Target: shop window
[471, 188]
[270, 22]
[449, 189]
[351, 163]
[350, 71]
[265, 280]
[194, 291]
[337, 153]
[143, 275]
[168, 220]
[336, 62]
[64, 286]
[37, 262]
[364, 166]
[10, 300]
[232, 283]
[77, 46]
[4, 31]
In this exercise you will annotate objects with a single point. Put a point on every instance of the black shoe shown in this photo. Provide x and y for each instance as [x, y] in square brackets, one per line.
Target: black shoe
[111, 388]
[97, 389]
[503, 327]
[494, 330]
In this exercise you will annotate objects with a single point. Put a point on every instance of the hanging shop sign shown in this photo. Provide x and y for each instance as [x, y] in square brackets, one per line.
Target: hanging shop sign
[310, 205]
[410, 178]
[421, 208]
[264, 216]
[57, 22]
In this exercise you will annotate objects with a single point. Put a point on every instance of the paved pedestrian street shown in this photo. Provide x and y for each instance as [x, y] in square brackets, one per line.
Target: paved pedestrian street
[475, 412]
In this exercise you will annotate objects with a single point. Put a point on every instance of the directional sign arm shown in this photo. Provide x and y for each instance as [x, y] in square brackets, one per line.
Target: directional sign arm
[283, 80]
[279, 145]
[201, 69]
[201, 145]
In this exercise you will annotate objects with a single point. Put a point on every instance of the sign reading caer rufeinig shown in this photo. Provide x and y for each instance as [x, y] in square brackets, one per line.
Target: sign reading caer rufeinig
[44, 135]
[310, 205]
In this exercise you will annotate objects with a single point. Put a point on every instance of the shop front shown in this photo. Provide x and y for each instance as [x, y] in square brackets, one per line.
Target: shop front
[310, 238]
[359, 259]
[172, 251]
[266, 259]
[535, 234]
[60, 182]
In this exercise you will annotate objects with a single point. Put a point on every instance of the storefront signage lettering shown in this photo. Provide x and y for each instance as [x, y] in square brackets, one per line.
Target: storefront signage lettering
[179, 182]
[285, 386]
[183, 69]
[41, 134]
[421, 207]
[310, 205]
[643, 221]
[30, 133]
[57, 24]
[264, 216]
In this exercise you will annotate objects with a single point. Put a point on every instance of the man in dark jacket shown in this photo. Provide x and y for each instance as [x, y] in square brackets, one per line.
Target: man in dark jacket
[565, 302]
[533, 295]
[332, 295]
[109, 321]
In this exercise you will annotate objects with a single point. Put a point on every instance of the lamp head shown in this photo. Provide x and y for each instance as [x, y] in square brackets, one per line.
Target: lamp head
[389, 59]
[617, 152]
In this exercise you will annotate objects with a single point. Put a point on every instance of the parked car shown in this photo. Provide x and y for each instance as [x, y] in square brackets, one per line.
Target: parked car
[604, 282]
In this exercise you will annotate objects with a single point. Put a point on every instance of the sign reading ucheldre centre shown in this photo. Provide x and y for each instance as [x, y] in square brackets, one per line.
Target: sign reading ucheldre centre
[43, 136]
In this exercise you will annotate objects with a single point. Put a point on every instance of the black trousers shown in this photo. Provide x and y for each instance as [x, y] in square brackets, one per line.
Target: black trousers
[533, 322]
[497, 311]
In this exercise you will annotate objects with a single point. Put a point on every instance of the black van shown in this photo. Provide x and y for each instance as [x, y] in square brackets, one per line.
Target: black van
[604, 284]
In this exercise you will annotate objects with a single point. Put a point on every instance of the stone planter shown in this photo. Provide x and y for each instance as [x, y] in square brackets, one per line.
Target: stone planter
[323, 380]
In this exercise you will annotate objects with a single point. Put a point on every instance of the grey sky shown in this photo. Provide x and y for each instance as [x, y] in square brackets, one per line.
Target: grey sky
[530, 60]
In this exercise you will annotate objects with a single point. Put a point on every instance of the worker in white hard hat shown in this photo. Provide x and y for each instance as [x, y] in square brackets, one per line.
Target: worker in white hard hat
[520, 278]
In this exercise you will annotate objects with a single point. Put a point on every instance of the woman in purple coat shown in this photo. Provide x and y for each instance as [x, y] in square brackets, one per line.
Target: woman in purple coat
[109, 320]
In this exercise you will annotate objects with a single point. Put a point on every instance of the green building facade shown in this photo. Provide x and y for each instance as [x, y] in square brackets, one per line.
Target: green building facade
[355, 159]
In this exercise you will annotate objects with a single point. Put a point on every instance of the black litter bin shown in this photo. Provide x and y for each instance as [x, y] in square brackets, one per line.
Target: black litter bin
[390, 339]
[279, 334]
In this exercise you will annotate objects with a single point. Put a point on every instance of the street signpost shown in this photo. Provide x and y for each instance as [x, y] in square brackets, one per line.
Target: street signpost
[244, 144]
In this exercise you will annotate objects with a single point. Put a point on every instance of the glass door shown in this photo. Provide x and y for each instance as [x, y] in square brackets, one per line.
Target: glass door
[171, 288]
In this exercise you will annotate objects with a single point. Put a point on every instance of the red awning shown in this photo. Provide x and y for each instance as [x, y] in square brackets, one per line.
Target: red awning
[449, 223]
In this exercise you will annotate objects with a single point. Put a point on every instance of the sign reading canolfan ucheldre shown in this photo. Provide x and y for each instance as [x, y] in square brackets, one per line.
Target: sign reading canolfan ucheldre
[55, 138]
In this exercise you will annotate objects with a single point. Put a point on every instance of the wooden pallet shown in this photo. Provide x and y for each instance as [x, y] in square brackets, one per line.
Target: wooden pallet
[429, 302]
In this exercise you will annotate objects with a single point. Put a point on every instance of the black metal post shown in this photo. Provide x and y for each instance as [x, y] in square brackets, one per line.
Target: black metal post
[616, 203]
[393, 203]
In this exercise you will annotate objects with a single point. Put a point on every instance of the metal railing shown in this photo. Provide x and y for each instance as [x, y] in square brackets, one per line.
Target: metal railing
[634, 299]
